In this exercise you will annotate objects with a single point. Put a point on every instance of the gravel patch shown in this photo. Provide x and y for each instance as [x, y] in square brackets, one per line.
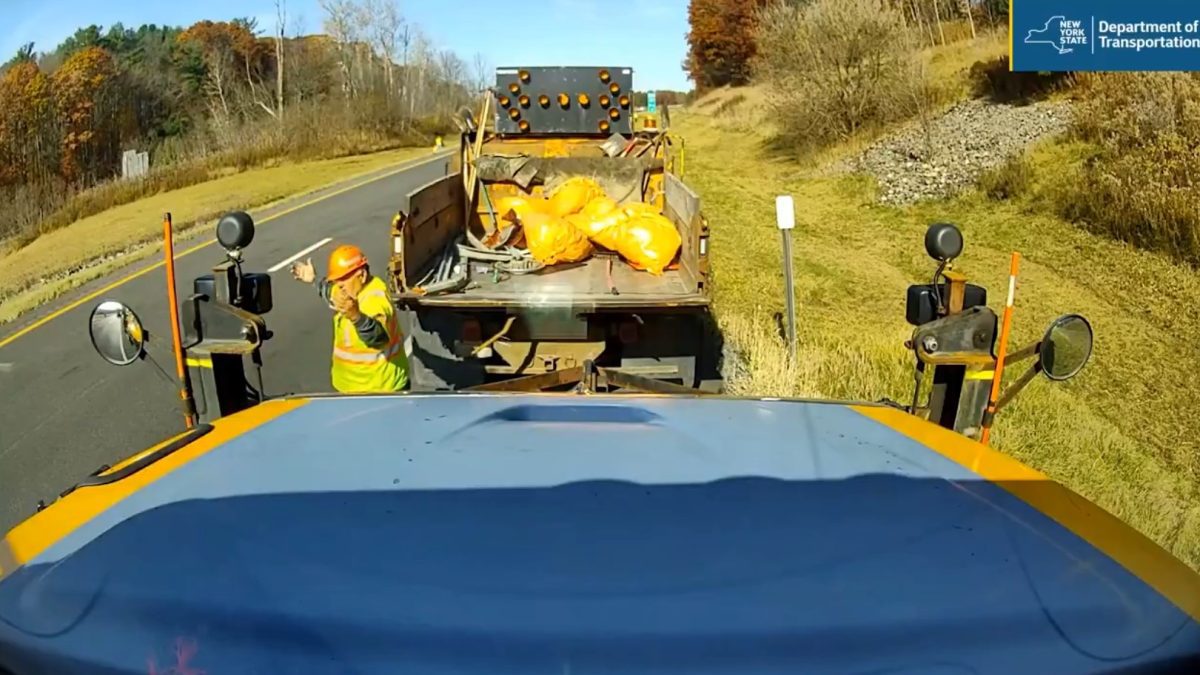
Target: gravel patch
[962, 143]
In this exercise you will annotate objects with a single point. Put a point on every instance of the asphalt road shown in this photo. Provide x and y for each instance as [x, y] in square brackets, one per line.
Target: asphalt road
[64, 411]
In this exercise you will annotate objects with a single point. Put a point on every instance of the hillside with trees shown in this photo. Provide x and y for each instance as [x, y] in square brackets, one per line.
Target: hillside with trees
[213, 95]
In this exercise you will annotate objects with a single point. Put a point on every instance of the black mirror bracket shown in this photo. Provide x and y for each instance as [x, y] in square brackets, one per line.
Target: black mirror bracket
[959, 349]
[223, 323]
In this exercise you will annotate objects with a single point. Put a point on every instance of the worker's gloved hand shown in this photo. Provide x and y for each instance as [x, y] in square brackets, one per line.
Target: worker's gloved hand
[304, 271]
[345, 304]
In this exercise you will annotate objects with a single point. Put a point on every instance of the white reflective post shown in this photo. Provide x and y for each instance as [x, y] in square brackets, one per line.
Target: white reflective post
[785, 215]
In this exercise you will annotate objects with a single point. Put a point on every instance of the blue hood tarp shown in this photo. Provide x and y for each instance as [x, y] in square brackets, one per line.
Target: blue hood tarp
[452, 534]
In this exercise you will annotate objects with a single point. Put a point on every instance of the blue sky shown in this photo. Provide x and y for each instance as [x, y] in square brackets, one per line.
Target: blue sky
[645, 34]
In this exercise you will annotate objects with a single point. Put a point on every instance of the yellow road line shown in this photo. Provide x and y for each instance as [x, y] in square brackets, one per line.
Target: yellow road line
[124, 280]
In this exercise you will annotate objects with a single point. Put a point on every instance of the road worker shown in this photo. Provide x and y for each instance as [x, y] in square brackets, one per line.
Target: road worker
[368, 349]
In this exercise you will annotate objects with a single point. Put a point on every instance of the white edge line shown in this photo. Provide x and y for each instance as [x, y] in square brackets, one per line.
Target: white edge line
[300, 255]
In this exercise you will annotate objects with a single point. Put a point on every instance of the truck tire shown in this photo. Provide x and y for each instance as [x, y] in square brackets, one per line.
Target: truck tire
[429, 343]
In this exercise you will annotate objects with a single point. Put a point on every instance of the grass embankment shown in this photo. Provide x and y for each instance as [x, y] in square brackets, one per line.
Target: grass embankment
[51, 264]
[1120, 433]
[947, 69]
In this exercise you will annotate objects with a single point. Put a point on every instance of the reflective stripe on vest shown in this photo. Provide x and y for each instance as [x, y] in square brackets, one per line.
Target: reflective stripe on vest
[368, 356]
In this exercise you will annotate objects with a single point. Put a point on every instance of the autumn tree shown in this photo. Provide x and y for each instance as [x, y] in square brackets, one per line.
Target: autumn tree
[208, 60]
[86, 98]
[721, 41]
[197, 94]
[312, 68]
[227, 62]
[28, 150]
[24, 53]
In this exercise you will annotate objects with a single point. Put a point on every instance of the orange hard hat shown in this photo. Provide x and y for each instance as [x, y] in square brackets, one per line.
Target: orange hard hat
[344, 261]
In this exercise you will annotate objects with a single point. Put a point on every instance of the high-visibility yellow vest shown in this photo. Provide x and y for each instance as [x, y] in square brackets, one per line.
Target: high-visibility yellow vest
[359, 368]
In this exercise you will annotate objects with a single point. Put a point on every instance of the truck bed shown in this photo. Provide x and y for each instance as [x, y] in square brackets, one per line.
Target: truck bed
[581, 284]
[435, 220]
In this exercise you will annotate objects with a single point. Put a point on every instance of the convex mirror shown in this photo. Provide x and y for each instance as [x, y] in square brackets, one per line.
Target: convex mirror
[1066, 347]
[117, 333]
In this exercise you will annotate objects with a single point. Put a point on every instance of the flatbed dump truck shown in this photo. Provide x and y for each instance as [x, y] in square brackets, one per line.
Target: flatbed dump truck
[477, 311]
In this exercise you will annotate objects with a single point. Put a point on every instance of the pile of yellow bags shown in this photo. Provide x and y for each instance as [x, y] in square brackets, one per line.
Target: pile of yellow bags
[550, 239]
[563, 227]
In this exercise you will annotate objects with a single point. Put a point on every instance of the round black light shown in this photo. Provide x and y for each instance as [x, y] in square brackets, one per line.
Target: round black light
[943, 242]
[235, 230]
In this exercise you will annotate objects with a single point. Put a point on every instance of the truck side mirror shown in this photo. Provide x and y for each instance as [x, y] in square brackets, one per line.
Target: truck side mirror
[117, 333]
[1066, 347]
[1063, 351]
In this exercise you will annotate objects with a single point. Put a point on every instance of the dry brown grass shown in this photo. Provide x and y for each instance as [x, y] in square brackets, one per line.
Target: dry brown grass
[32, 274]
[949, 66]
[1141, 184]
[836, 68]
[1119, 434]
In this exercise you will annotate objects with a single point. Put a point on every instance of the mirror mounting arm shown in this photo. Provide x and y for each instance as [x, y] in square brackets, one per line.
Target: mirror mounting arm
[1016, 387]
[1024, 353]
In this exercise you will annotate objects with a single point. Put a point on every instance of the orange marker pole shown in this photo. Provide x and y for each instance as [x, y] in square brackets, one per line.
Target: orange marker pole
[185, 389]
[1005, 327]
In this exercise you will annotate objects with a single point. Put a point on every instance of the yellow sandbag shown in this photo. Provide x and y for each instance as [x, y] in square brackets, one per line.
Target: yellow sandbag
[649, 242]
[601, 216]
[520, 206]
[554, 240]
[600, 206]
[600, 229]
[637, 209]
[570, 197]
